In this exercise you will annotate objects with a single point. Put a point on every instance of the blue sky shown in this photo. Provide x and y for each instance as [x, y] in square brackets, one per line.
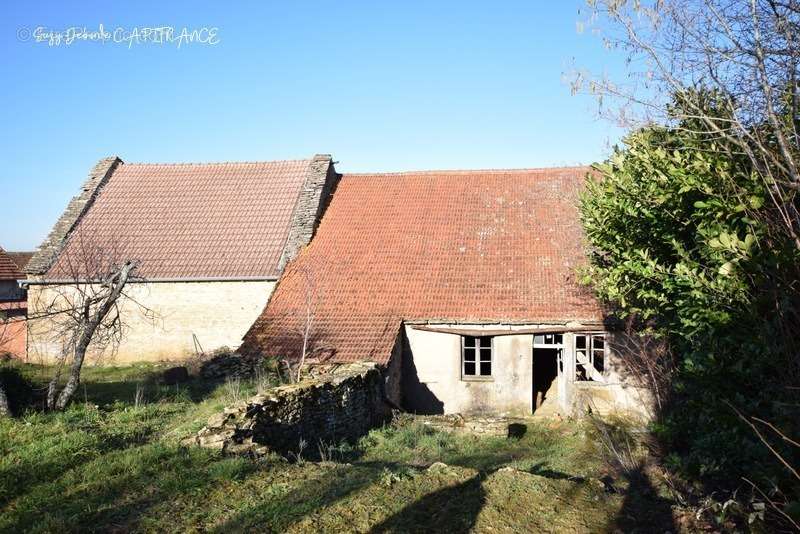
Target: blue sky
[383, 86]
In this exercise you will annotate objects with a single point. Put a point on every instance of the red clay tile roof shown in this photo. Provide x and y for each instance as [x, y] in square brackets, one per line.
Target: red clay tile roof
[462, 246]
[192, 220]
[20, 258]
[8, 269]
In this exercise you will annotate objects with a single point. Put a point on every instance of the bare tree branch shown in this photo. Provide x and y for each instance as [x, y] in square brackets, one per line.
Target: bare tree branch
[80, 308]
[746, 53]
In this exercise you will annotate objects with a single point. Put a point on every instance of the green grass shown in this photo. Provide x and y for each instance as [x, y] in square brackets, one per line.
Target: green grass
[108, 464]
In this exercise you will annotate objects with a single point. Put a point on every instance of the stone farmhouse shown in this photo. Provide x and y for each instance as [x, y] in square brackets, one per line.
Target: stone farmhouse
[211, 241]
[461, 285]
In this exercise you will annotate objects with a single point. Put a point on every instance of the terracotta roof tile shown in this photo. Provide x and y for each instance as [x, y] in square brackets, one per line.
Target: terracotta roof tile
[20, 258]
[195, 220]
[8, 268]
[460, 246]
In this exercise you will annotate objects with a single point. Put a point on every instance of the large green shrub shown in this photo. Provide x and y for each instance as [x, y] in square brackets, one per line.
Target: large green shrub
[680, 239]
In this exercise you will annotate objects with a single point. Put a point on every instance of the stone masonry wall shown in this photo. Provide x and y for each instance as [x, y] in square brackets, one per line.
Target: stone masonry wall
[311, 203]
[215, 314]
[343, 404]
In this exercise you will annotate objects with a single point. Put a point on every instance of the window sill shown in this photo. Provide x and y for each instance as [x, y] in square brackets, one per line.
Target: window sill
[477, 379]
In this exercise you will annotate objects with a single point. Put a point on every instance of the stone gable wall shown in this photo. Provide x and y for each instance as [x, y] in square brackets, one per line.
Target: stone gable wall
[311, 204]
[47, 253]
[343, 404]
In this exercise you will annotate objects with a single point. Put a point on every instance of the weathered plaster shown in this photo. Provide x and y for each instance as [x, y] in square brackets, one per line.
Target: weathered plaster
[437, 360]
[432, 381]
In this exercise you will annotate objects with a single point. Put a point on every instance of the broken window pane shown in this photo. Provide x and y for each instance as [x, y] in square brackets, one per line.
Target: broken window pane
[599, 360]
[598, 351]
[589, 357]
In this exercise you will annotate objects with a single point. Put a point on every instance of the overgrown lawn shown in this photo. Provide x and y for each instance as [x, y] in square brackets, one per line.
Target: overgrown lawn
[114, 462]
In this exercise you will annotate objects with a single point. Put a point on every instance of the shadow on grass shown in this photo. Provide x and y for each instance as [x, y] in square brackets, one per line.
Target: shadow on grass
[450, 509]
[643, 509]
[454, 508]
[539, 470]
[106, 393]
[66, 441]
[115, 491]
[104, 386]
[60, 455]
[280, 512]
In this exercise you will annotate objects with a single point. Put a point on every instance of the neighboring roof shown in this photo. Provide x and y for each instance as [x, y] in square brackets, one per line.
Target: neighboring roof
[20, 258]
[8, 268]
[447, 246]
[182, 221]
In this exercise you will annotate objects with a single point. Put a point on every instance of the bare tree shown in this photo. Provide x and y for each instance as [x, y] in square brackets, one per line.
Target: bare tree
[80, 307]
[745, 52]
[307, 315]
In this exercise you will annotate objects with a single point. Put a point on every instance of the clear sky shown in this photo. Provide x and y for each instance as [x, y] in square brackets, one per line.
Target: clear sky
[383, 86]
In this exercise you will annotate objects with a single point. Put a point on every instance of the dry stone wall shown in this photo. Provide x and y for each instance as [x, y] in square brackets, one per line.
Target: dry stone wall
[343, 404]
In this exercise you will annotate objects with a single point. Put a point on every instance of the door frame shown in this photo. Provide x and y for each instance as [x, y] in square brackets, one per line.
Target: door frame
[551, 341]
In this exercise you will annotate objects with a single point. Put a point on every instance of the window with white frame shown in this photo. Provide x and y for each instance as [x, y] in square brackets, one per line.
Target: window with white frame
[547, 340]
[551, 341]
[476, 356]
[590, 356]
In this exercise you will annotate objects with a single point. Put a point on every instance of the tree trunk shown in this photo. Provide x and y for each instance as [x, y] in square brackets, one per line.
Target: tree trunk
[116, 282]
[52, 387]
[52, 390]
[74, 379]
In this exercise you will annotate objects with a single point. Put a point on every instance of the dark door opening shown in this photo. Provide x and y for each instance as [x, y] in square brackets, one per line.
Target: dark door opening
[545, 372]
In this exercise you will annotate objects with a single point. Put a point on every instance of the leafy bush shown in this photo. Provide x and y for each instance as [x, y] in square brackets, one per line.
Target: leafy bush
[680, 238]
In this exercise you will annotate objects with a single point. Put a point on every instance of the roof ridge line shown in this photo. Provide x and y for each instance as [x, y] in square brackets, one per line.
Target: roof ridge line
[471, 171]
[210, 163]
